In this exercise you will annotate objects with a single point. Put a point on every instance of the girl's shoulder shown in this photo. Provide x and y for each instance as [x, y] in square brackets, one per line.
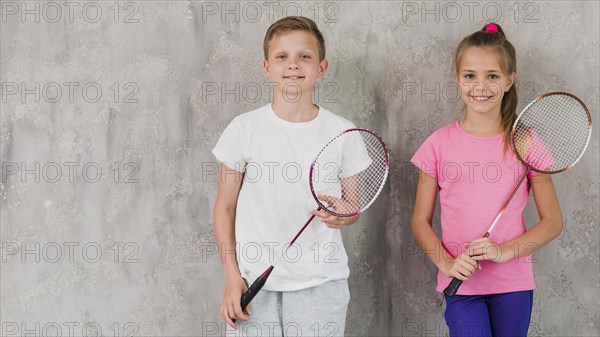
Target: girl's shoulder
[445, 133]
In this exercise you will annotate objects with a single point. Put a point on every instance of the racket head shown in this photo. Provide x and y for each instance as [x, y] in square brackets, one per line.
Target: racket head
[551, 134]
[351, 171]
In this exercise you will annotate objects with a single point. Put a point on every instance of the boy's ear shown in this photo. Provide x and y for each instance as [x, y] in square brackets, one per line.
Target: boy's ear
[322, 68]
[266, 67]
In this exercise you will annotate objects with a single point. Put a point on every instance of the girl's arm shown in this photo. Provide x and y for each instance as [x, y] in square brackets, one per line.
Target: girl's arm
[463, 266]
[548, 228]
[230, 182]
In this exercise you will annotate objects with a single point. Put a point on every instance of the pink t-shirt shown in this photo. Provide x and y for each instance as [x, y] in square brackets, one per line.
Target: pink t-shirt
[474, 182]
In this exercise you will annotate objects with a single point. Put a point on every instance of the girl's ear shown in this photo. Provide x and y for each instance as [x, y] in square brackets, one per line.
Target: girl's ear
[511, 80]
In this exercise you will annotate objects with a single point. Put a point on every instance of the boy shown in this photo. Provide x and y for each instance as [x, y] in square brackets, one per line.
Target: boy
[263, 199]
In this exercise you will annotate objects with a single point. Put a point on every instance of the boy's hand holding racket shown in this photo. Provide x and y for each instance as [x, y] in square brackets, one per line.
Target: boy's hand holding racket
[231, 308]
[330, 220]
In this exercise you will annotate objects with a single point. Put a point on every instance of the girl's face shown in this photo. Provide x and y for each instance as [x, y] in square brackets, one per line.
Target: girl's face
[482, 82]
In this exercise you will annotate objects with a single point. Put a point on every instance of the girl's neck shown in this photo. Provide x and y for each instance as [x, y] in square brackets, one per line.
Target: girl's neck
[296, 112]
[488, 125]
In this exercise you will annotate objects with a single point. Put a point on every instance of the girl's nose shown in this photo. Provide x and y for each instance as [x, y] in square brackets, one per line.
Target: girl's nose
[481, 86]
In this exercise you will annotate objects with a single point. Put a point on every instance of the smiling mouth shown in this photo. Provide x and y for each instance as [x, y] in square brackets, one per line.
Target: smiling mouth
[295, 77]
[480, 98]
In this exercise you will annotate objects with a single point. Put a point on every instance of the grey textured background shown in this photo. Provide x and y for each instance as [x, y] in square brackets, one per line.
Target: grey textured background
[149, 214]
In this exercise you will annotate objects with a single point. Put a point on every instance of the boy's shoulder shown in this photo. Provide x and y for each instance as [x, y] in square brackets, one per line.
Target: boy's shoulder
[335, 119]
[254, 116]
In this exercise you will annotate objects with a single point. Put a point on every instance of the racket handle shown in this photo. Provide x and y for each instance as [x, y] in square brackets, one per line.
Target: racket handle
[452, 288]
[252, 291]
[256, 286]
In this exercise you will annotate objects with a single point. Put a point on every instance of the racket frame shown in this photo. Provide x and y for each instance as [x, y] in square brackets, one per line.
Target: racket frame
[312, 166]
[512, 135]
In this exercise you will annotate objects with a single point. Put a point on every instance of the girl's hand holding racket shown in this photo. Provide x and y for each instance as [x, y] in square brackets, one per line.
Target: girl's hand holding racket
[462, 268]
[230, 305]
[331, 220]
[486, 249]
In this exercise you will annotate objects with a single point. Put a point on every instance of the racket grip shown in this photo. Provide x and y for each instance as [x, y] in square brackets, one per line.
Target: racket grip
[256, 286]
[452, 288]
[252, 291]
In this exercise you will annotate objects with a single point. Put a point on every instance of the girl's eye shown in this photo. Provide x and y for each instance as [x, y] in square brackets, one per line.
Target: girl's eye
[469, 76]
[493, 77]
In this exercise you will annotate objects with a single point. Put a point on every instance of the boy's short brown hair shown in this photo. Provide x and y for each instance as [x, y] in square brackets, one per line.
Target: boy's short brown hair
[292, 23]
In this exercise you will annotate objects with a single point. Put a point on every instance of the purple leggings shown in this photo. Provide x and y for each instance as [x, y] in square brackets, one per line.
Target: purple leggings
[499, 315]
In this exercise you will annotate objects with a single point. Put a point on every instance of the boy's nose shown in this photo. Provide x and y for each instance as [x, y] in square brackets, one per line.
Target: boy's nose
[292, 65]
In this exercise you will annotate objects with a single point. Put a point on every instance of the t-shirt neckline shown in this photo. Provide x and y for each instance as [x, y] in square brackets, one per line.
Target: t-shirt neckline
[283, 122]
[477, 137]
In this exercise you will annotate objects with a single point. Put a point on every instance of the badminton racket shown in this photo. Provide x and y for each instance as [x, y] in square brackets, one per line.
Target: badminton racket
[345, 178]
[549, 136]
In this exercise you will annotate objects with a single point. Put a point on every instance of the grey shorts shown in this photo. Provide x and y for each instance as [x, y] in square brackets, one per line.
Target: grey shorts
[317, 311]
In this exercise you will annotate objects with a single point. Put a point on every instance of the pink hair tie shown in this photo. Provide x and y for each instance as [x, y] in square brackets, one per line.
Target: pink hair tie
[492, 27]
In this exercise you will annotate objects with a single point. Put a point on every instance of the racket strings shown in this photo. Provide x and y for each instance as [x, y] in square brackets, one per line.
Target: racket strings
[361, 162]
[552, 133]
[372, 178]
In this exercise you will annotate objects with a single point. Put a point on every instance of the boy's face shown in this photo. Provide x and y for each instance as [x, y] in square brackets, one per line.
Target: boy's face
[293, 64]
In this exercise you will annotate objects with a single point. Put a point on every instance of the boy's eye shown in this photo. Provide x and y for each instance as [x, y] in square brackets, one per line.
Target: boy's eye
[280, 57]
[305, 56]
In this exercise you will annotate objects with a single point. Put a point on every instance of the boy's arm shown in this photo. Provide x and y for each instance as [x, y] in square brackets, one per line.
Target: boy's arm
[230, 182]
[463, 266]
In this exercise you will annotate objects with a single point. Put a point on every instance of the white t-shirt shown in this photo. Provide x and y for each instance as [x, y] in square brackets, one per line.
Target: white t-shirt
[275, 198]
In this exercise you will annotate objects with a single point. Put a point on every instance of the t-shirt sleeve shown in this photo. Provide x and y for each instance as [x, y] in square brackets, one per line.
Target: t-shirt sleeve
[538, 155]
[355, 157]
[426, 157]
[229, 147]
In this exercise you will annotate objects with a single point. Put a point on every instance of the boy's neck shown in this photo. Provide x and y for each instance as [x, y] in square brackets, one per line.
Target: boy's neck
[296, 112]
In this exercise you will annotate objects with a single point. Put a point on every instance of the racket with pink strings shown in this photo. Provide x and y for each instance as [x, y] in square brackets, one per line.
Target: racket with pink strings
[345, 178]
[549, 136]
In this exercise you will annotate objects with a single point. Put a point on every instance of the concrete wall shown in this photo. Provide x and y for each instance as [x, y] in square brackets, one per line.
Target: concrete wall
[120, 103]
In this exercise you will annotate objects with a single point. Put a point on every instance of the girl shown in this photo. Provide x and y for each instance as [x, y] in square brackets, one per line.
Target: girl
[472, 165]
